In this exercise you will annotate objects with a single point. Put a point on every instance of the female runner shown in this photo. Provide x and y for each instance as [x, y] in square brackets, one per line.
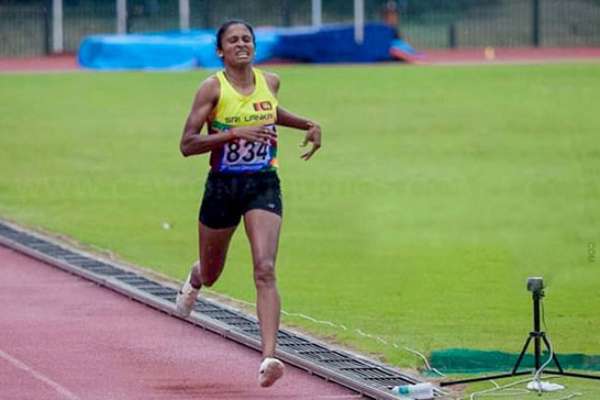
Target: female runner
[240, 108]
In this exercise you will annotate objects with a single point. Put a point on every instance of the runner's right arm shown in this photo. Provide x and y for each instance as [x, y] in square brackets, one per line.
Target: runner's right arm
[192, 142]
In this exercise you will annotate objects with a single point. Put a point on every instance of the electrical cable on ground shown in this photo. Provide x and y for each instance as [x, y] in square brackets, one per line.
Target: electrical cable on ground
[505, 390]
[358, 331]
[536, 376]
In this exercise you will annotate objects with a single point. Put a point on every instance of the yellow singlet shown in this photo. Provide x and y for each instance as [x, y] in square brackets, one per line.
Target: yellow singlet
[235, 109]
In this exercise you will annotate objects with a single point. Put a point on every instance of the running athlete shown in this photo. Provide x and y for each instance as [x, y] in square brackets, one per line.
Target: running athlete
[240, 108]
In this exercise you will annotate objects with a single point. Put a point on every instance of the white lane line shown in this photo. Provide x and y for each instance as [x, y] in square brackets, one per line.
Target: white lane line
[60, 389]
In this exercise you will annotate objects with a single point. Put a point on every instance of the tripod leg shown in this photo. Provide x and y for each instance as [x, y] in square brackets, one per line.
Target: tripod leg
[554, 357]
[516, 367]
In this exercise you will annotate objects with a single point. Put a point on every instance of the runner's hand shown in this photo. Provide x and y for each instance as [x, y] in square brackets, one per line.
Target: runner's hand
[313, 135]
[254, 133]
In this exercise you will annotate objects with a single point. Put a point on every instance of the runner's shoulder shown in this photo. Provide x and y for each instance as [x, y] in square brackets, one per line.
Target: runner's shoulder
[209, 89]
[272, 80]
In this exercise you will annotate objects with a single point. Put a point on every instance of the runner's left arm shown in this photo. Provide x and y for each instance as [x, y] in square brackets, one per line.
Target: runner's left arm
[290, 120]
[313, 129]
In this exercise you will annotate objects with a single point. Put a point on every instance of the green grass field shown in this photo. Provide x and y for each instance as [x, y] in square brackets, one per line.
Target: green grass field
[438, 191]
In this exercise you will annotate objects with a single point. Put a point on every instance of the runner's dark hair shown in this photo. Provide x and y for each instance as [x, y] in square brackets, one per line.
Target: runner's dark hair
[226, 26]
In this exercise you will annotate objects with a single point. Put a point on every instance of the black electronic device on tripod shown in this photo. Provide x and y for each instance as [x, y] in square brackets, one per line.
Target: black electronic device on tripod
[536, 286]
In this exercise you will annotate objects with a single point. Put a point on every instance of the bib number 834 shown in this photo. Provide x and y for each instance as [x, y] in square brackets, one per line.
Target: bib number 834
[243, 152]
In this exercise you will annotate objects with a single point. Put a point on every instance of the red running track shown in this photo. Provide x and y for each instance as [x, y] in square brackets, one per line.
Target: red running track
[62, 337]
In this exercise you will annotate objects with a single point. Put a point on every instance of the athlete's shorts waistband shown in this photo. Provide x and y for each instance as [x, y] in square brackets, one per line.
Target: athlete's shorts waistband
[250, 174]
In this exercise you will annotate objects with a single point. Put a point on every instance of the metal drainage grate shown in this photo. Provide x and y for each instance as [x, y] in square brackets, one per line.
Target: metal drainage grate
[365, 376]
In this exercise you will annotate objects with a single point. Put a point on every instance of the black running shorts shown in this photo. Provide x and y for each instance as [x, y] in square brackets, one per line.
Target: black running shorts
[229, 196]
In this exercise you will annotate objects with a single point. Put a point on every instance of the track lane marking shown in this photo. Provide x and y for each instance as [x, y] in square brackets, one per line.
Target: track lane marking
[19, 364]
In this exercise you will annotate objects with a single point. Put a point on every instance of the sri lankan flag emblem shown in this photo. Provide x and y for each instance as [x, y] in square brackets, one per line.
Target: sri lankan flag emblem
[263, 106]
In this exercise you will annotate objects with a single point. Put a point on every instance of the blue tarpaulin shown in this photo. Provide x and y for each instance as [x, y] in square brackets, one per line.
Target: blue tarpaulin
[197, 48]
[164, 50]
[335, 43]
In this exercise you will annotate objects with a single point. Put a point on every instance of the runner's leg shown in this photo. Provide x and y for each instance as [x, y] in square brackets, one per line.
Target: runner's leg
[213, 245]
[262, 228]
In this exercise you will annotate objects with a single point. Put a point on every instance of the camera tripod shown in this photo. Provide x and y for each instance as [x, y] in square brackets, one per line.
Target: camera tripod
[538, 336]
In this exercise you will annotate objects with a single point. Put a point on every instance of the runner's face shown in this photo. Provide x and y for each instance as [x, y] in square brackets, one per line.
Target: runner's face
[237, 45]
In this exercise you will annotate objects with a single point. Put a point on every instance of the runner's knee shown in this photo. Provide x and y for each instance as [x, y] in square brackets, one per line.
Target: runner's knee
[264, 273]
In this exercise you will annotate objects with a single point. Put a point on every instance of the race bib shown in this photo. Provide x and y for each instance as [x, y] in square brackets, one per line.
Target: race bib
[242, 155]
